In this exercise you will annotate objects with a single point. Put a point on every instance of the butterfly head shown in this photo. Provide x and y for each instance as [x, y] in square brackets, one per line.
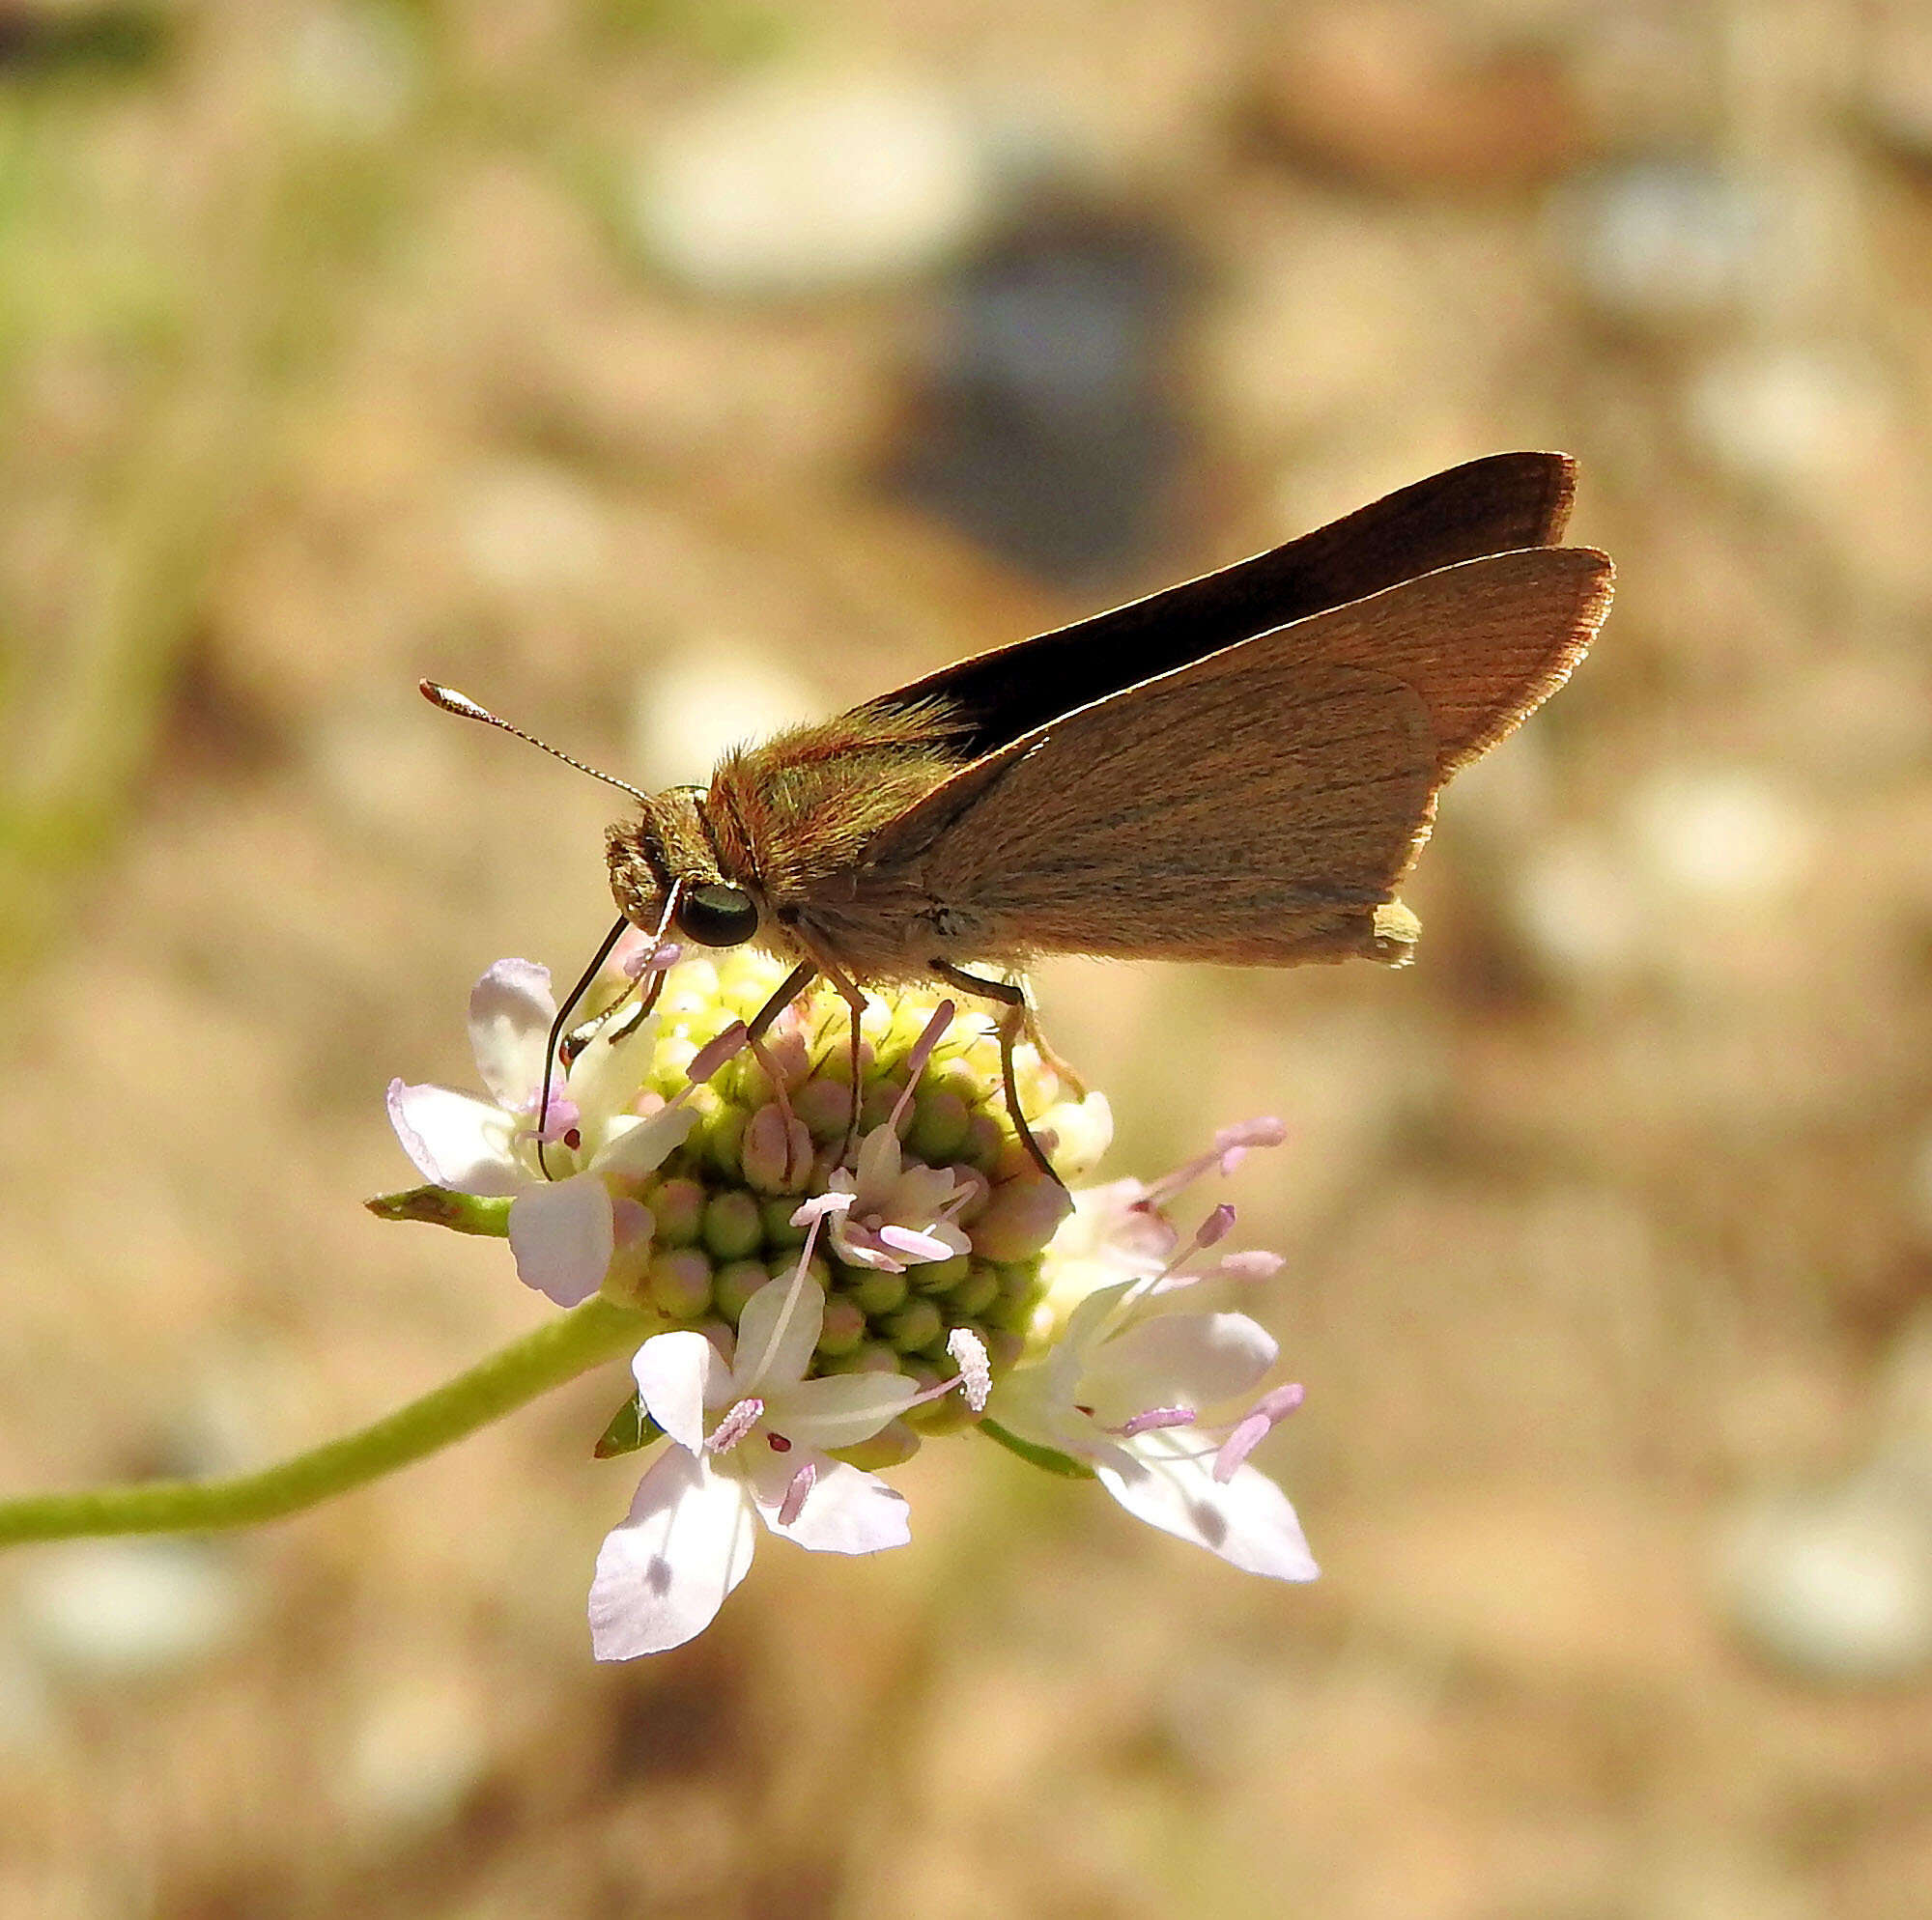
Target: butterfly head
[671, 846]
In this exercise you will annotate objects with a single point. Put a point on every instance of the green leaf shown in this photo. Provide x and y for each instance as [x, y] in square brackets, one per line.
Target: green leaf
[630, 1428]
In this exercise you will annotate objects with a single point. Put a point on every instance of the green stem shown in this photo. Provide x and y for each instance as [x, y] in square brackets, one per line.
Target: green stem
[557, 1351]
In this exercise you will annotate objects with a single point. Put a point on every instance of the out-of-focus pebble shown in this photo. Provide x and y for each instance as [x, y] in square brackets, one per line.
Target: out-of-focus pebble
[420, 1749]
[354, 69]
[1405, 97]
[530, 528]
[806, 183]
[1576, 909]
[112, 1609]
[1791, 418]
[1664, 245]
[1835, 1585]
[1721, 835]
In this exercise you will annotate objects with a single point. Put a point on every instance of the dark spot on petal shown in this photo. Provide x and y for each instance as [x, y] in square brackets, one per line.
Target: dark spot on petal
[779, 1443]
[1210, 1524]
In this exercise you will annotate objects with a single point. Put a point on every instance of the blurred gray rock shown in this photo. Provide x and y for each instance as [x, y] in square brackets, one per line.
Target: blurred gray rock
[1664, 245]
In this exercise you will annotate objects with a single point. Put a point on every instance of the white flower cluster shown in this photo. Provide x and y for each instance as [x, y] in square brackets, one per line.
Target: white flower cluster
[1094, 1338]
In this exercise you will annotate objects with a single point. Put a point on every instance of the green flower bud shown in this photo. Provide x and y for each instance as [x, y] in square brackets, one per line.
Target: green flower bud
[677, 1206]
[877, 1292]
[844, 1327]
[938, 1276]
[677, 1283]
[916, 1328]
[735, 1284]
[733, 1227]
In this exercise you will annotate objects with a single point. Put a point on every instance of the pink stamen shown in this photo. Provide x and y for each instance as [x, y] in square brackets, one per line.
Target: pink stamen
[660, 959]
[915, 1245]
[713, 1055]
[738, 1421]
[1230, 1146]
[1156, 1417]
[1253, 1428]
[1216, 1227]
[563, 1117]
[1253, 1264]
[801, 1482]
[921, 1051]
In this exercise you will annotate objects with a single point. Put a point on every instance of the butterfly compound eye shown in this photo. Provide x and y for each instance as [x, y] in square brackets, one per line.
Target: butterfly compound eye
[717, 916]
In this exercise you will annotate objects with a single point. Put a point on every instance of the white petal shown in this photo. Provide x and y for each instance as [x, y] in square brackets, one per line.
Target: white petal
[840, 1409]
[674, 1372]
[456, 1140]
[606, 1075]
[510, 1015]
[563, 1234]
[846, 1512]
[1166, 1477]
[1032, 1404]
[663, 1575]
[1192, 1359]
[777, 1333]
[634, 1148]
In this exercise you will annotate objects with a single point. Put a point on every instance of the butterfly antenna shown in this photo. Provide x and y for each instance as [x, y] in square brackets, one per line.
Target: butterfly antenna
[465, 708]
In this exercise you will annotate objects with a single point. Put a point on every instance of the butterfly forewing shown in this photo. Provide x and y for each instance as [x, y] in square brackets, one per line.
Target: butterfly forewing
[1494, 505]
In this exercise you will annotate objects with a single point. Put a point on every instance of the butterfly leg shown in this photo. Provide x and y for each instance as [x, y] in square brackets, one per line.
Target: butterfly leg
[1017, 1019]
[787, 990]
[855, 1000]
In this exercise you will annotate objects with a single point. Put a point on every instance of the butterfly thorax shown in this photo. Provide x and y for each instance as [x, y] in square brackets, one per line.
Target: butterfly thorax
[788, 822]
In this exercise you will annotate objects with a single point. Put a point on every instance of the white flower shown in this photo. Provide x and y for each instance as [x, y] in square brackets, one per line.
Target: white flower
[1124, 1389]
[1118, 1231]
[562, 1227]
[898, 1214]
[750, 1439]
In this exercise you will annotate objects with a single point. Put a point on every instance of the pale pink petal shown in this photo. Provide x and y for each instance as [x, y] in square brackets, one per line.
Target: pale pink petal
[846, 1512]
[563, 1234]
[841, 1409]
[878, 1166]
[675, 1373]
[1196, 1360]
[663, 1575]
[455, 1140]
[1166, 1477]
[510, 1016]
[777, 1333]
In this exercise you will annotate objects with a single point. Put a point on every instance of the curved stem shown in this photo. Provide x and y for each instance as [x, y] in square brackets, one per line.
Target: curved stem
[557, 1351]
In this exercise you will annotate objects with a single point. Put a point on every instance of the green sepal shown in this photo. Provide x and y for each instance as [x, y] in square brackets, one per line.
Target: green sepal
[487, 1214]
[1044, 1458]
[630, 1428]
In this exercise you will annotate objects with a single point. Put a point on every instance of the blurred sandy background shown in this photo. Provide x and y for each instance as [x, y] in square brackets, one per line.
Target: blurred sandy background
[657, 368]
